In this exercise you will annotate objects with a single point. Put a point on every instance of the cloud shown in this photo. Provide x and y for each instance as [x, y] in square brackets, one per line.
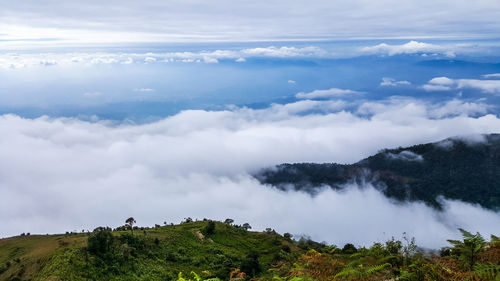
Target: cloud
[432, 88]
[492, 75]
[412, 47]
[447, 84]
[144, 90]
[62, 174]
[387, 81]
[330, 93]
[41, 24]
[392, 107]
[292, 82]
[285, 52]
[405, 155]
[15, 60]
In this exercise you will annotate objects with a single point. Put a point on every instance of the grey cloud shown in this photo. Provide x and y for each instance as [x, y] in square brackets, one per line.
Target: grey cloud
[168, 21]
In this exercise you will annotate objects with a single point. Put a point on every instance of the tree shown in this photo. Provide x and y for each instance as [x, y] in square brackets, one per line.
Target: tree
[469, 249]
[130, 223]
[409, 248]
[349, 249]
[210, 228]
[287, 236]
[228, 221]
[250, 265]
[100, 241]
[246, 226]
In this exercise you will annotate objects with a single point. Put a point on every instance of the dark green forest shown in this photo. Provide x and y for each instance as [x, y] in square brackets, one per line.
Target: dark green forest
[453, 168]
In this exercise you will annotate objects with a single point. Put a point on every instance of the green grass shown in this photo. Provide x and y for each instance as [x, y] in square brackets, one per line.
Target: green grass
[163, 253]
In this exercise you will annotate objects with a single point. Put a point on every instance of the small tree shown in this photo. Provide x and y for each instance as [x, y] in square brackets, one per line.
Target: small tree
[409, 248]
[469, 249]
[287, 236]
[349, 249]
[246, 226]
[210, 228]
[130, 223]
[228, 221]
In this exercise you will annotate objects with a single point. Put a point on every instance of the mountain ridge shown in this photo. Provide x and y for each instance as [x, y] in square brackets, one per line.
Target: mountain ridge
[457, 168]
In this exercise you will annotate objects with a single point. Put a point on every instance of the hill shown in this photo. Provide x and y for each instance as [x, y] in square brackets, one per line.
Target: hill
[158, 253]
[230, 252]
[455, 168]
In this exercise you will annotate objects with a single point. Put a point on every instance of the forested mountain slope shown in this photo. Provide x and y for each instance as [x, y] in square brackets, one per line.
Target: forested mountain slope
[466, 169]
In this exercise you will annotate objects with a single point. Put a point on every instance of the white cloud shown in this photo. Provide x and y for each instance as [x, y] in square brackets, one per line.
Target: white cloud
[442, 81]
[492, 75]
[144, 90]
[446, 84]
[405, 155]
[412, 47]
[486, 86]
[14, 60]
[285, 52]
[432, 88]
[387, 81]
[292, 82]
[330, 93]
[65, 174]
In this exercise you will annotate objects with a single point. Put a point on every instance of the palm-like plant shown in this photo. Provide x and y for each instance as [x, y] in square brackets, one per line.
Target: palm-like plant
[468, 249]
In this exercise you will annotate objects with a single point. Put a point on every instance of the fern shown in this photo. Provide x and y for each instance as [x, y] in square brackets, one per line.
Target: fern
[490, 271]
[350, 273]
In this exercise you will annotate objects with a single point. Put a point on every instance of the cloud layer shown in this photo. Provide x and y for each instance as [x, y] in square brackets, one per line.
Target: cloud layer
[66, 174]
[92, 21]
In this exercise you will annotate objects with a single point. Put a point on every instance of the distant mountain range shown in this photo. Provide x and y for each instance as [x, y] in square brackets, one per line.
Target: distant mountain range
[461, 168]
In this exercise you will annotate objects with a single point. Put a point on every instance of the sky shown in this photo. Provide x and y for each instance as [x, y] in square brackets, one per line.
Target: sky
[163, 110]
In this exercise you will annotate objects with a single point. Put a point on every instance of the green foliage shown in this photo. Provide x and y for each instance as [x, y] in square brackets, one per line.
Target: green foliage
[360, 272]
[161, 253]
[349, 249]
[488, 271]
[210, 228]
[469, 248]
[251, 265]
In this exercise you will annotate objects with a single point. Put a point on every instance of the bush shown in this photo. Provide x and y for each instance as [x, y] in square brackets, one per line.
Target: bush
[349, 249]
[210, 228]
[251, 265]
[100, 241]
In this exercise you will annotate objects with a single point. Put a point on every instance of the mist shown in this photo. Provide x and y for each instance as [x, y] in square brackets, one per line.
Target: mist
[65, 174]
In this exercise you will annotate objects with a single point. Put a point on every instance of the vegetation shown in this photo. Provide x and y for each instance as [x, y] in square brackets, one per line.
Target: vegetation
[453, 168]
[214, 251]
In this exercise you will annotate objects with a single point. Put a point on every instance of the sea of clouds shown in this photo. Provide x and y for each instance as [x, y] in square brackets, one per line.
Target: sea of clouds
[65, 174]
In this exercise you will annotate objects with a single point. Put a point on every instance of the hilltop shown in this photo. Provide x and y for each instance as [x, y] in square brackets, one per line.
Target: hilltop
[158, 253]
[465, 169]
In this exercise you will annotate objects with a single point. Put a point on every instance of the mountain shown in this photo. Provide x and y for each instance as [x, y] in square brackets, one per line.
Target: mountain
[461, 168]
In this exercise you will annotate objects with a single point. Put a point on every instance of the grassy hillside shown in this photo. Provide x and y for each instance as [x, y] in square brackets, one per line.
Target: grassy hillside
[152, 254]
[228, 252]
